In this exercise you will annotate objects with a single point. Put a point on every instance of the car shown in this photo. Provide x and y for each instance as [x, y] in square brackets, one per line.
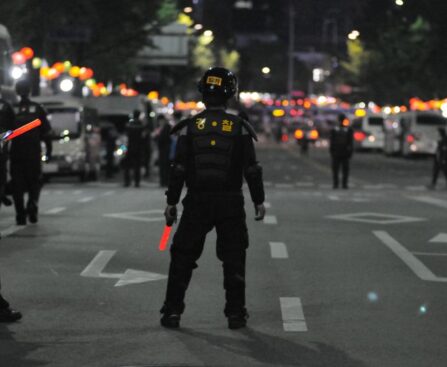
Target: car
[368, 132]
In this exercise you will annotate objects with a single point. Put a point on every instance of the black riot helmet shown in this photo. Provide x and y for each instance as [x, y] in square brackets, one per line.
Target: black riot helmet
[23, 88]
[217, 85]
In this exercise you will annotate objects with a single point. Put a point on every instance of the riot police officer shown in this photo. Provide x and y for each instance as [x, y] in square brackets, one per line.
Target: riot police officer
[214, 152]
[440, 158]
[26, 155]
[7, 119]
[341, 146]
[134, 129]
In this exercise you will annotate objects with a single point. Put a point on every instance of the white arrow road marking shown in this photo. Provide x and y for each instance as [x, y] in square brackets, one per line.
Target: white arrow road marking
[440, 238]
[11, 230]
[375, 218]
[408, 258]
[55, 210]
[292, 314]
[278, 250]
[155, 215]
[270, 219]
[430, 200]
[99, 262]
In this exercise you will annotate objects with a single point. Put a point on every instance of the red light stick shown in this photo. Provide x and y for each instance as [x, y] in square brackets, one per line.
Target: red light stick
[165, 237]
[11, 134]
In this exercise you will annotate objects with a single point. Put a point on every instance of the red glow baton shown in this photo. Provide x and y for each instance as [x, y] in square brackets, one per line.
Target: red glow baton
[164, 238]
[11, 134]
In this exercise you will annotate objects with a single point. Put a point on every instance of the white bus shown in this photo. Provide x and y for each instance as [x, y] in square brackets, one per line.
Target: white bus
[5, 64]
[412, 133]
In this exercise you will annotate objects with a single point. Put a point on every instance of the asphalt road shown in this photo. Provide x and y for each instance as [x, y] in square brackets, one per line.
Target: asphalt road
[335, 278]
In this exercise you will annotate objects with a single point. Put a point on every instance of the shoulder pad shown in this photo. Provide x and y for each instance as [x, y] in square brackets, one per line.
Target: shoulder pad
[249, 129]
[178, 127]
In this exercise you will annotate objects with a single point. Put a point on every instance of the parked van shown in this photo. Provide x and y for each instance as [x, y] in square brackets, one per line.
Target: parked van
[5, 65]
[414, 132]
[368, 132]
[76, 138]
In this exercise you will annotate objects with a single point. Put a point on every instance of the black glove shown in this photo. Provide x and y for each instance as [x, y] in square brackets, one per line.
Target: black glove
[171, 215]
[260, 211]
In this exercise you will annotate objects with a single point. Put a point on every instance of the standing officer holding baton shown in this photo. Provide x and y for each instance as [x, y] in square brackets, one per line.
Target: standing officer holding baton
[214, 152]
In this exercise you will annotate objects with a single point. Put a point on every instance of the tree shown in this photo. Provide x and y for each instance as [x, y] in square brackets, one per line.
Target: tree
[103, 34]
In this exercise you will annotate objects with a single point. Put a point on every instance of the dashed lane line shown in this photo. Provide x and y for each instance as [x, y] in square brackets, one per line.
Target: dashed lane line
[270, 219]
[55, 210]
[292, 314]
[278, 250]
[86, 199]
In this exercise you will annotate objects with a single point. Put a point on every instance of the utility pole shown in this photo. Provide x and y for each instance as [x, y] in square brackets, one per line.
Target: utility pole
[291, 65]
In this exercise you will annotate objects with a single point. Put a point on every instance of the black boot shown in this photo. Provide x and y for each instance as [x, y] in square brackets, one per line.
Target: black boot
[170, 319]
[237, 321]
[9, 315]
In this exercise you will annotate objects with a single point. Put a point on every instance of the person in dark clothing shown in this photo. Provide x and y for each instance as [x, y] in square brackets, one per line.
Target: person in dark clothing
[341, 148]
[7, 119]
[164, 147]
[109, 137]
[147, 143]
[134, 130]
[440, 158]
[26, 155]
[214, 152]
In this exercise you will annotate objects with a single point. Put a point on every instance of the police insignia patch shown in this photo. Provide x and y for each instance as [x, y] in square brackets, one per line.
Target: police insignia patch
[214, 80]
[200, 123]
[227, 126]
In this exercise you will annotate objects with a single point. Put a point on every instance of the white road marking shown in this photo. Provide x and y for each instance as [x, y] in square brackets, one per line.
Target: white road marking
[11, 230]
[154, 215]
[284, 186]
[429, 254]
[430, 200]
[99, 262]
[97, 265]
[268, 183]
[108, 193]
[416, 188]
[408, 258]
[270, 219]
[325, 186]
[440, 238]
[77, 192]
[375, 218]
[333, 197]
[86, 199]
[304, 184]
[278, 250]
[267, 205]
[55, 210]
[292, 314]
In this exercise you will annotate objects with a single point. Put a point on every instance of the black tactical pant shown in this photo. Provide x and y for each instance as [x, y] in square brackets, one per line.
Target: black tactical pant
[201, 213]
[26, 179]
[337, 163]
[132, 163]
[436, 168]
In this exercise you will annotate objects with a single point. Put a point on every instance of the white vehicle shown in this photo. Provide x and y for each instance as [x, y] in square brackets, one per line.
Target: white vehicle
[368, 132]
[76, 138]
[412, 133]
[5, 64]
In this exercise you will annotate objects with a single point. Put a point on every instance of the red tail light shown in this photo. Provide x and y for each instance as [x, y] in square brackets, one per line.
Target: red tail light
[410, 139]
[313, 135]
[359, 136]
[299, 134]
[285, 138]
